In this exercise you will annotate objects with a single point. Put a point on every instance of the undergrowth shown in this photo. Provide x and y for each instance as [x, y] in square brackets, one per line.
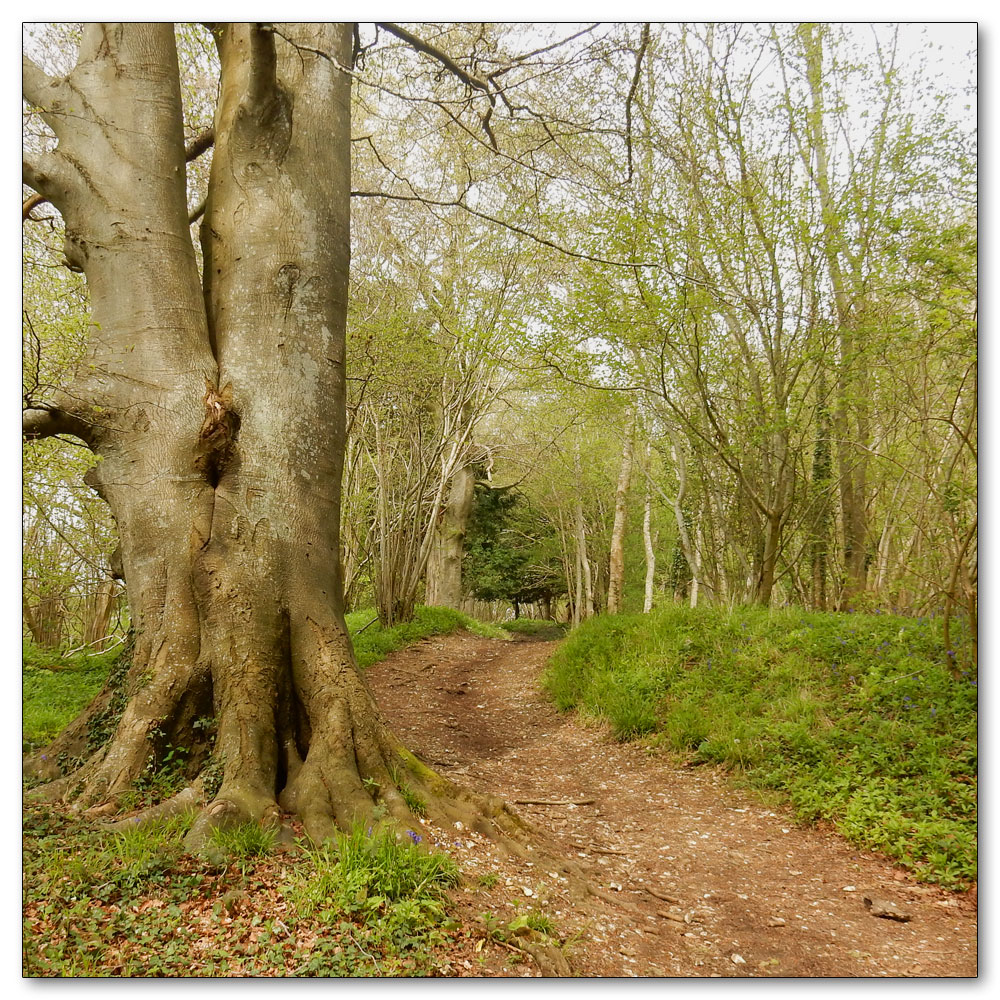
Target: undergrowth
[536, 627]
[132, 903]
[866, 721]
[373, 643]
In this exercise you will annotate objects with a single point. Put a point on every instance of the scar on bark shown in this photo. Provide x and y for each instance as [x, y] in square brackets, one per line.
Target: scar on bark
[219, 431]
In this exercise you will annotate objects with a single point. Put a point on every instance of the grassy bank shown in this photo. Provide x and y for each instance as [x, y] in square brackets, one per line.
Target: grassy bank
[867, 721]
[54, 688]
[373, 643]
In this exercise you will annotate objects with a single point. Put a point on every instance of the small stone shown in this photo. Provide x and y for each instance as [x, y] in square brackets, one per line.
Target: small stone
[738, 960]
[526, 891]
[886, 908]
[776, 922]
[850, 888]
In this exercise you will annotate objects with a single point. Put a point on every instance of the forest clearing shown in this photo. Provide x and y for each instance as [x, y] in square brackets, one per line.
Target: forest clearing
[500, 499]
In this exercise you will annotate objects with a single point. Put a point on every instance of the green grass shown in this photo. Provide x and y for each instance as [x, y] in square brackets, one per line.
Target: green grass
[133, 904]
[373, 643]
[857, 719]
[55, 688]
[536, 627]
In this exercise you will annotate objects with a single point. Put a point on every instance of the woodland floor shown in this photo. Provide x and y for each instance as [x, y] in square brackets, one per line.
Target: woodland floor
[692, 876]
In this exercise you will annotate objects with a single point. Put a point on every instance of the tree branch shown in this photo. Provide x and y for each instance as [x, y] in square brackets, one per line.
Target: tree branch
[631, 94]
[43, 175]
[31, 203]
[473, 82]
[42, 91]
[34, 177]
[263, 66]
[435, 53]
[40, 421]
[199, 144]
[486, 217]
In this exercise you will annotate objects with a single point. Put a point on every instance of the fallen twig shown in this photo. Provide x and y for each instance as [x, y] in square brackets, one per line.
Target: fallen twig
[599, 850]
[660, 895]
[554, 802]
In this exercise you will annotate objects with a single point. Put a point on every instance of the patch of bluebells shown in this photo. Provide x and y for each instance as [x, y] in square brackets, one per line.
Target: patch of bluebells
[415, 837]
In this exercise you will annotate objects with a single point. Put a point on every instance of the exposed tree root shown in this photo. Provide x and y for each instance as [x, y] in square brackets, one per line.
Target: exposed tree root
[187, 800]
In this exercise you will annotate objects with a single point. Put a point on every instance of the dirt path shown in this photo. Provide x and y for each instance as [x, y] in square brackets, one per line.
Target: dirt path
[695, 878]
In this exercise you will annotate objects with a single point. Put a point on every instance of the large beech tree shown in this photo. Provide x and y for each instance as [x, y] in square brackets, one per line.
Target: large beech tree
[214, 402]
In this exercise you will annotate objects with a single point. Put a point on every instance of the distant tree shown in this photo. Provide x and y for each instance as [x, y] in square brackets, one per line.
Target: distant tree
[512, 551]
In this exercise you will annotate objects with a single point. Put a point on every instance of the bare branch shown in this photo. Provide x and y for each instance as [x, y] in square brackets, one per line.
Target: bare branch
[520, 231]
[31, 203]
[473, 82]
[42, 92]
[45, 175]
[435, 53]
[199, 144]
[631, 94]
[197, 212]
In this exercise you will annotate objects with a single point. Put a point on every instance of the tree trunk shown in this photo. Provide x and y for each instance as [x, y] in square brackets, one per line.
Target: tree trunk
[45, 620]
[219, 418]
[444, 565]
[585, 580]
[852, 461]
[100, 619]
[769, 559]
[585, 585]
[616, 566]
[647, 541]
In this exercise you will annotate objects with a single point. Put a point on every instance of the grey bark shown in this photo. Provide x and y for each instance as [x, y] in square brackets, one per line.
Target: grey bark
[444, 564]
[616, 567]
[218, 412]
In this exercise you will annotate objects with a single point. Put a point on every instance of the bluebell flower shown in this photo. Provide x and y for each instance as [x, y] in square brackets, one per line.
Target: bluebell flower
[415, 837]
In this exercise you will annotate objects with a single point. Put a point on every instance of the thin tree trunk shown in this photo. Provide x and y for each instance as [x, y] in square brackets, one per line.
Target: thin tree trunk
[100, 619]
[616, 566]
[852, 462]
[647, 540]
[584, 579]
